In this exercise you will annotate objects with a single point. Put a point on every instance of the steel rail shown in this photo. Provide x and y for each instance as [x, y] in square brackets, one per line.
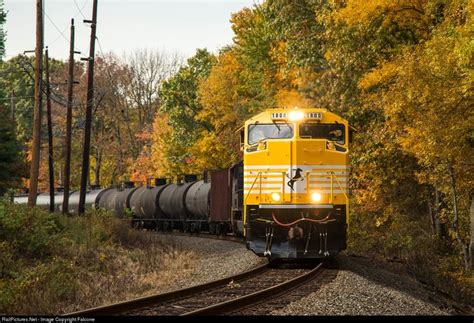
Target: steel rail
[257, 297]
[153, 300]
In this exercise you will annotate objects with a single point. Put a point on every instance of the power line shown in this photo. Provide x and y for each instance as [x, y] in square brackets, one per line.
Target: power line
[59, 99]
[80, 9]
[57, 28]
[107, 70]
[61, 33]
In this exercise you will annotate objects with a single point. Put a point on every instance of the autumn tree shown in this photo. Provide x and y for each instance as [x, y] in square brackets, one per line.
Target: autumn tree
[147, 71]
[424, 88]
[224, 107]
[180, 101]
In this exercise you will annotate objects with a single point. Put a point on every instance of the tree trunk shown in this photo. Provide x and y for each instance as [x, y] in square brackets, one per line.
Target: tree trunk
[463, 245]
[438, 226]
[98, 162]
[432, 216]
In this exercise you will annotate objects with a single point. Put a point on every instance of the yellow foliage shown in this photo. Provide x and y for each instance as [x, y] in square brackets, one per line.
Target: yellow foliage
[365, 11]
[218, 94]
[290, 98]
[380, 75]
[152, 161]
[214, 151]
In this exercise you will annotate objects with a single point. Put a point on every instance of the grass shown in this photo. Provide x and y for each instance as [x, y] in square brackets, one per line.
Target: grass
[52, 264]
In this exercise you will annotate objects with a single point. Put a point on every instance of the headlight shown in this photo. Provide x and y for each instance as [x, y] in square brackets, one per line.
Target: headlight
[296, 115]
[316, 197]
[276, 197]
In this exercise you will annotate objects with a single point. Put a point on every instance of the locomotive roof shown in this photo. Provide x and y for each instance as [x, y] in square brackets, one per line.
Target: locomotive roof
[269, 115]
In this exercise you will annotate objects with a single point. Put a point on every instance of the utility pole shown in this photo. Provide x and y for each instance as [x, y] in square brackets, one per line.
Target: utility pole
[90, 103]
[35, 150]
[70, 87]
[50, 135]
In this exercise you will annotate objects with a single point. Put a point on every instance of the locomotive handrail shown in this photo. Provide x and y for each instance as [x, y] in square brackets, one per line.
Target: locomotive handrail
[331, 189]
[259, 176]
[340, 186]
[332, 176]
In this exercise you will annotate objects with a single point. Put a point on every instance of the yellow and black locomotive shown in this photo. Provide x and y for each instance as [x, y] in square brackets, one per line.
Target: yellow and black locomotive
[295, 183]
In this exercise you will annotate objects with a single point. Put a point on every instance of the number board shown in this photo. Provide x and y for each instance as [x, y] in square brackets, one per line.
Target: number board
[279, 115]
[314, 115]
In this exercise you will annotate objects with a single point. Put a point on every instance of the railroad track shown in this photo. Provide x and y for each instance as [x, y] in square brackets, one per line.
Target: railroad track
[237, 294]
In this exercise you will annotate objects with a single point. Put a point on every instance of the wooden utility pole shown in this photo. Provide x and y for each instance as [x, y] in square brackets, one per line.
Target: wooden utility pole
[36, 145]
[70, 87]
[90, 103]
[50, 135]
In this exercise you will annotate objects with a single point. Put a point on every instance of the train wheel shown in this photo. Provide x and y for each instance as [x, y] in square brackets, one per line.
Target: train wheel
[212, 228]
[218, 229]
[192, 228]
[224, 229]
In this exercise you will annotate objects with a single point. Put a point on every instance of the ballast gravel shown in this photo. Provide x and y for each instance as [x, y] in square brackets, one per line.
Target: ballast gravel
[359, 288]
[213, 259]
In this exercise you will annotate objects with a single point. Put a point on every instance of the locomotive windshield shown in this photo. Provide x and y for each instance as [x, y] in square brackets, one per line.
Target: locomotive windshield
[259, 132]
[333, 132]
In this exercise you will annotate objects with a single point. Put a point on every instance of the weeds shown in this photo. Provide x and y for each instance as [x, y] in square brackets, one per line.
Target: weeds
[52, 264]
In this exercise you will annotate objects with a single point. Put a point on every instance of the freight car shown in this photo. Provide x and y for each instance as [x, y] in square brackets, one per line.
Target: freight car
[288, 198]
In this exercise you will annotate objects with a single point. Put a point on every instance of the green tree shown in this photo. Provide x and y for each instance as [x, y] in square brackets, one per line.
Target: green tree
[180, 100]
[14, 81]
[11, 163]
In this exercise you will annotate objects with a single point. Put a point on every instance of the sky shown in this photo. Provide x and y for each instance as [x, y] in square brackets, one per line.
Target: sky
[179, 26]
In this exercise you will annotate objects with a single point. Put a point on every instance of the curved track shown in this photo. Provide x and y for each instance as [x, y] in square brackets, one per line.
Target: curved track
[141, 306]
[238, 294]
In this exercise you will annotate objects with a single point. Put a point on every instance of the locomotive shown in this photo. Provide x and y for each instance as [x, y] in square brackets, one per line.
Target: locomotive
[288, 197]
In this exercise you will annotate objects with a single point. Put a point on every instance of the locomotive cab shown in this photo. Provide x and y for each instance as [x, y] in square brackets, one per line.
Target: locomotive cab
[295, 193]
